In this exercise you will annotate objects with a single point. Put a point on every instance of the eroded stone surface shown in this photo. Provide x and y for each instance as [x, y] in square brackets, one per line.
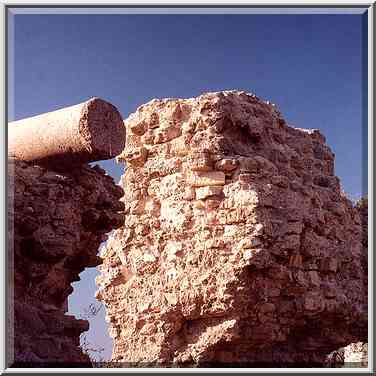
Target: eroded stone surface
[72, 136]
[56, 224]
[238, 245]
[355, 354]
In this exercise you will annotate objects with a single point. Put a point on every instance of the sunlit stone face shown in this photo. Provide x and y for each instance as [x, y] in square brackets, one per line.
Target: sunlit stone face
[237, 238]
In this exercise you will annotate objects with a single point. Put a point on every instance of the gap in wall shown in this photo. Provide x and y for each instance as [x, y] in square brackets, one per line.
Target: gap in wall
[80, 303]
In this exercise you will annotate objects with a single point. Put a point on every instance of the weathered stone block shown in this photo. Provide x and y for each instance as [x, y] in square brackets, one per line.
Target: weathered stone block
[202, 179]
[166, 134]
[329, 264]
[209, 191]
[227, 164]
[138, 128]
[135, 157]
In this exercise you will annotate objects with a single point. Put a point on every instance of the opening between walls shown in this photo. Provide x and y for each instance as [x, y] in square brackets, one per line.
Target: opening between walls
[82, 304]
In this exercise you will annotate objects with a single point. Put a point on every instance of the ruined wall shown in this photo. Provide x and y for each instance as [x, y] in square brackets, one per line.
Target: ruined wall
[238, 245]
[356, 354]
[59, 210]
[56, 224]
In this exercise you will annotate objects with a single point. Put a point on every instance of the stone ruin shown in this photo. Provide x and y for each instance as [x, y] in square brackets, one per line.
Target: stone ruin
[59, 211]
[238, 246]
[234, 243]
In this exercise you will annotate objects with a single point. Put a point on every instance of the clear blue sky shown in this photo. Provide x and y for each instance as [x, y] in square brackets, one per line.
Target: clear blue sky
[310, 66]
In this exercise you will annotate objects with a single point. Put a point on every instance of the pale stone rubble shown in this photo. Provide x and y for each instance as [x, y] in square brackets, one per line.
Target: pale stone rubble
[356, 354]
[238, 245]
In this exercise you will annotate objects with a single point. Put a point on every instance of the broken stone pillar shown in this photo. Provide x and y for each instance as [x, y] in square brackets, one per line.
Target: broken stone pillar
[238, 246]
[87, 132]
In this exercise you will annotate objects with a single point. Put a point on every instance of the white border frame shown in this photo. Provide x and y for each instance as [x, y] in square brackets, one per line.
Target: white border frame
[209, 3]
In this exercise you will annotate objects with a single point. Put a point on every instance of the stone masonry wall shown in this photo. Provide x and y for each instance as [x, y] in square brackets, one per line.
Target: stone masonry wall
[56, 224]
[238, 245]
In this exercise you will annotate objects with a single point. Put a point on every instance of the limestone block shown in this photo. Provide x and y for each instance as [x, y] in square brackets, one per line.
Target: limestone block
[227, 164]
[166, 134]
[135, 157]
[138, 128]
[329, 264]
[200, 162]
[208, 191]
[202, 179]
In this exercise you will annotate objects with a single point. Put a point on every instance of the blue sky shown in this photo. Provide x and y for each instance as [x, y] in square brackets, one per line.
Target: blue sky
[310, 66]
